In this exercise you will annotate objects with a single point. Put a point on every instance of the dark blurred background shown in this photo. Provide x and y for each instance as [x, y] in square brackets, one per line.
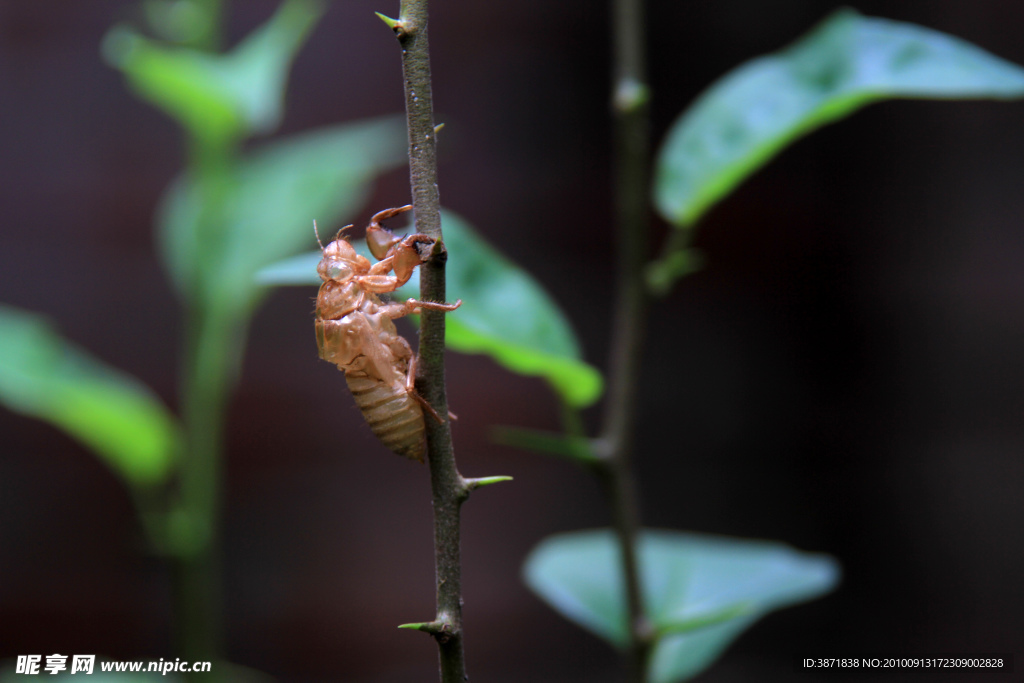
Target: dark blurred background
[845, 374]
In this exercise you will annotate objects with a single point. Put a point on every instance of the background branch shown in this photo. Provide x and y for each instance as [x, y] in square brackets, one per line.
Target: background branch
[631, 163]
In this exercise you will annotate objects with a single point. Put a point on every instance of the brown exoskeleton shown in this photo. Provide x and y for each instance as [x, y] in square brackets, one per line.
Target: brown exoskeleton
[354, 330]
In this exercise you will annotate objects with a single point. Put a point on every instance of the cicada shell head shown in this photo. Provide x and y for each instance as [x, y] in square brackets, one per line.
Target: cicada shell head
[340, 262]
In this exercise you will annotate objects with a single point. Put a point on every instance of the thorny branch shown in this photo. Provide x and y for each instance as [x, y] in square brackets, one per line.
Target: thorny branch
[632, 158]
[448, 487]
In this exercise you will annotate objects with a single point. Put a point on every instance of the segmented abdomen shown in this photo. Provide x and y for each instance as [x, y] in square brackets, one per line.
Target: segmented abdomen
[393, 415]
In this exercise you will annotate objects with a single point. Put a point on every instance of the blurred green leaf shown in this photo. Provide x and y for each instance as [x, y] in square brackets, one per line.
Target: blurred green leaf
[845, 63]
[296, 270]
[700, 591]
[186, 22]
[256, 71]
[504, 314]
[181, 82]
[269, 207]
[46, 377]
[217, 97]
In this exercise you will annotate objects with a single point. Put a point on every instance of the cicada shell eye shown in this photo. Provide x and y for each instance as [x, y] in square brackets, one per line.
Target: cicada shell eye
[337, 269]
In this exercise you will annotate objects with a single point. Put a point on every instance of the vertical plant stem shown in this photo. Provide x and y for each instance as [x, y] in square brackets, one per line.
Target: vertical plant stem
[213, 342]
[631, 164]
[197, 577]
[447, 486]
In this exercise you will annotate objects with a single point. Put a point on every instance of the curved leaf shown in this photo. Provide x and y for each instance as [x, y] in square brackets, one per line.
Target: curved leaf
[504, 314]
[700, 591]
[217, 97]
[510, 317]
[46, 377]
[848, 61]
[269, 205]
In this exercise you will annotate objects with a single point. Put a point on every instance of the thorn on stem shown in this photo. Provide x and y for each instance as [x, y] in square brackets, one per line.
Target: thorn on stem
[393, 24]
[439, 629]
[425, 626]
[472, 484]
[485, 481]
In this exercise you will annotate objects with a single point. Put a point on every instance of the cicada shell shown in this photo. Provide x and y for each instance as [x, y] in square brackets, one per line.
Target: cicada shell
[354, 330]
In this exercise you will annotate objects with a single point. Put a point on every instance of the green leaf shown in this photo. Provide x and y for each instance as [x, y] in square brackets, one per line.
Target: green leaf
[46, 377]
[700, 591]
[507, 315]
[185, 22]
[296, 270]
[269, 205]
[504, 314]
[845, 63]
[217, 97]
[256, 71]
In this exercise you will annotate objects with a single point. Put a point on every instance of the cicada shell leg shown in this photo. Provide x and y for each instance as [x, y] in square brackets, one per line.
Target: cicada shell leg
[410, 388]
